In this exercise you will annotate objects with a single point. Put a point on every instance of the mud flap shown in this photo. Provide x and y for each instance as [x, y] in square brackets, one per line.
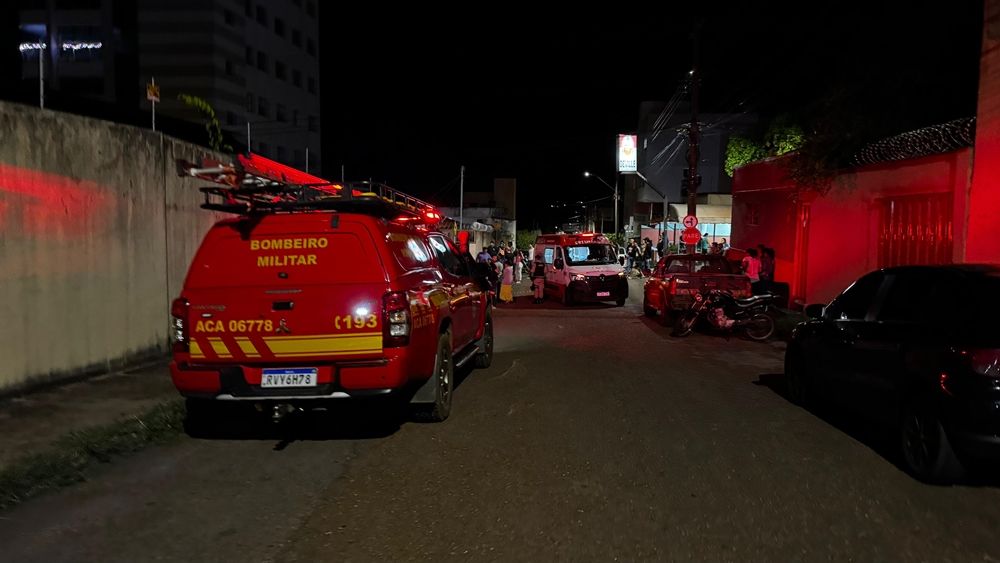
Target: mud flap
[426, 394]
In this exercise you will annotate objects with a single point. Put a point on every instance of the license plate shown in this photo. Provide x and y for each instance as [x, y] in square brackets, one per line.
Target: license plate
[288, 377]
[604, 294]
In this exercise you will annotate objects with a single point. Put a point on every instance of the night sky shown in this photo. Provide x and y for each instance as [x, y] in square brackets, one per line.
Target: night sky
[540, 95]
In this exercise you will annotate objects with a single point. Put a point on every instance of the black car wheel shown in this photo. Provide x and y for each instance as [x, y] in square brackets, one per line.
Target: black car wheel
[927, 452]
[797, 378]
[485, 355]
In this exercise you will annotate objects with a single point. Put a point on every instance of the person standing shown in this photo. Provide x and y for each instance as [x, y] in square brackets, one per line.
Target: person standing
[518, 265]
[538, 281]
[751, 267]
[507, 283]
[647, 256]
[766, 268]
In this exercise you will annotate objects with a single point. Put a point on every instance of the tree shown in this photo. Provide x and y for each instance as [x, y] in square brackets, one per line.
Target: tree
[212, 125]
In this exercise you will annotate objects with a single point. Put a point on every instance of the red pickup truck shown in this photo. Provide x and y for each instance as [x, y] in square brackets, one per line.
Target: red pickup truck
[678, 277]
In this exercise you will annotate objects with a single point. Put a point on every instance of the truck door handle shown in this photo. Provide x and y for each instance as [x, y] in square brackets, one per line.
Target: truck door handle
[282, 305]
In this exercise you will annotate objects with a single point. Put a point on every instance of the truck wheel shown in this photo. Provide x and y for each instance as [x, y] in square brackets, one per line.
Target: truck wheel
[484, 357]
[444, 372]
[666, 313]
[926, 449]
[646, 309]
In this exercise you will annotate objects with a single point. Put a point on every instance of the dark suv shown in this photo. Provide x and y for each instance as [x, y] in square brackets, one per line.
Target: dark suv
[914, 349]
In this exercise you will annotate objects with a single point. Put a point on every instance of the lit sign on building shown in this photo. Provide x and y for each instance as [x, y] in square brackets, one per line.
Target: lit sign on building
[628, 160]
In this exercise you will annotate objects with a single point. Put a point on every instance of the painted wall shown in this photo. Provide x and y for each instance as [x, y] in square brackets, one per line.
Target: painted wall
[96, 233]
[981, 243]
[843, 230]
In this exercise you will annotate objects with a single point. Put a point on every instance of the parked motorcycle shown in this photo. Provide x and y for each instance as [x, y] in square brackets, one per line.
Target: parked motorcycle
[720, 310]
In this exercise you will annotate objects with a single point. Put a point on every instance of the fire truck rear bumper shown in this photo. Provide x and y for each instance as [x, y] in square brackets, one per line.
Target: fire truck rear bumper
[334, 381]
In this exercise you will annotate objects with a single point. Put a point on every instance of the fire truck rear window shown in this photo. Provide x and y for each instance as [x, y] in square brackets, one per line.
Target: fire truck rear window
[410, 251]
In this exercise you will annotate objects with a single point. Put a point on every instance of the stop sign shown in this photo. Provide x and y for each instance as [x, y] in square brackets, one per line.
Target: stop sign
[691, 236]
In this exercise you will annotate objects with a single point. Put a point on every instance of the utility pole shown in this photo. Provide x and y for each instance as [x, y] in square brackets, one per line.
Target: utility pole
[307, 160]
[248, 138]
[461, 197]
[693, 180]
[41, 75]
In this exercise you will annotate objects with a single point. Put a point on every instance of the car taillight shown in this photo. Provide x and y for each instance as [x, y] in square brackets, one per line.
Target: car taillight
[395, 320]
[673, 286]
[178, 326]
[985, 362]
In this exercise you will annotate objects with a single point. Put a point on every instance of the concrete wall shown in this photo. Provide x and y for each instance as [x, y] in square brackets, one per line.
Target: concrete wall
[96, 233]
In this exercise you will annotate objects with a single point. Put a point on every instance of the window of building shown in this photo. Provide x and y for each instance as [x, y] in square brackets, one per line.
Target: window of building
[248, 8]
[312, 85]
[753, 215]
[250, 103]
[261, 15]
[249, 55]
[279, 27]
[230, 18]
[279, 113]
[297, 38]
[280, 71]
[297, 78]
[263, 106]
[262, 60]
[311, 9]
[313, 123]
[311, 47]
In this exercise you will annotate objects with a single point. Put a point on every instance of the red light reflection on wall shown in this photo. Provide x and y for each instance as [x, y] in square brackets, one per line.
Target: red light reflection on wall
[35, 203]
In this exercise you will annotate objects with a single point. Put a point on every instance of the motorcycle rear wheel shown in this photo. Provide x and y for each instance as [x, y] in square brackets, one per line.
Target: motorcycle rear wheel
[684, 325]
[760, 327]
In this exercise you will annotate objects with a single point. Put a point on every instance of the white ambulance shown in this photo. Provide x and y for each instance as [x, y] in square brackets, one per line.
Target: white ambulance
[581, 268]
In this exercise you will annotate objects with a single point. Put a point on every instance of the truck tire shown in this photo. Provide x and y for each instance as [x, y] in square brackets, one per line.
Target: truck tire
[484, 357]
[666, 313]
[444, 375]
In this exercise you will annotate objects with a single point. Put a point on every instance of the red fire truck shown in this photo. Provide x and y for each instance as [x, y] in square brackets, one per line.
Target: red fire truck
[316, 291]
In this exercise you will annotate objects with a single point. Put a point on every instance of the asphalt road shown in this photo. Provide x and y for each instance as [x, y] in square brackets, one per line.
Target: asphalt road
[594, 436]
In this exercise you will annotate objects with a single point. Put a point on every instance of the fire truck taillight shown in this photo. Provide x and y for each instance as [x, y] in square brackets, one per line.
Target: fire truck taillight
[395, 320]
[178, 326]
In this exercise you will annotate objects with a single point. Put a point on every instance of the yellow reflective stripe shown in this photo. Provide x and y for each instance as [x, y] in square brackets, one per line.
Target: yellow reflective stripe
[195, 349]
[329, 345]
[323, 336]
[220, 348]
[247, 347]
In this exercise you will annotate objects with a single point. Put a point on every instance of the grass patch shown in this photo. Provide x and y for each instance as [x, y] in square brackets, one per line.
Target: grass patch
[69, 457]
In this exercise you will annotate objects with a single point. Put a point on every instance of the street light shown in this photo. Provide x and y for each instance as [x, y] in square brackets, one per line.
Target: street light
[614, 189]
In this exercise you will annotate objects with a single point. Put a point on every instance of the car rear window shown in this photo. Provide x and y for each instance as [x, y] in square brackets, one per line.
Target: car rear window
[706, 265]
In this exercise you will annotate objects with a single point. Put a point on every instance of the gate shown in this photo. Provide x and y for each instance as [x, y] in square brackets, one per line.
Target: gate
[915, 230]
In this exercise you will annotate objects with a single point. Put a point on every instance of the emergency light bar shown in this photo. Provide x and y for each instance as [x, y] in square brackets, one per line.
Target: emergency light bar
[254, 184]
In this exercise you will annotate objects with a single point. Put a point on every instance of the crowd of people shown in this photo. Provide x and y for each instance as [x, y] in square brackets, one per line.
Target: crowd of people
[507, 262]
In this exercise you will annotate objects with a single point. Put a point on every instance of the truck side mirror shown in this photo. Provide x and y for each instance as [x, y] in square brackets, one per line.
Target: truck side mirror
[558, 263]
